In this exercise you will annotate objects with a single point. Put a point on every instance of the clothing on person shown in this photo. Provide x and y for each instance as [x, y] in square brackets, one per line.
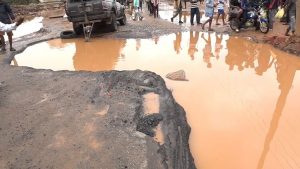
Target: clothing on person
[209, 8]
[137, 13]
[6, 14]
[291, 10]
[150, 7]
[273, 7]
[178, 7]
[155, 7]
[6, 17]
[7, 27]
[195, 11]
[221, 6]
[141, 5]
[136, 3]
[194, 3]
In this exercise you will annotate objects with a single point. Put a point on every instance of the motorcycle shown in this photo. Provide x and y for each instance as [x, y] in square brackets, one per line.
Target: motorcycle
[256, 17]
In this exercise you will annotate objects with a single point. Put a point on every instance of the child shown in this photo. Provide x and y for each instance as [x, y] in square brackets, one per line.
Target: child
[220, 7]
[137, 14]
[209, 12]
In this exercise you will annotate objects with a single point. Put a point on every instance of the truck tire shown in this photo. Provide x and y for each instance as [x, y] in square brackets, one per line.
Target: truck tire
[67, 34]
[78, 29]
[113, 26]
[123, 20]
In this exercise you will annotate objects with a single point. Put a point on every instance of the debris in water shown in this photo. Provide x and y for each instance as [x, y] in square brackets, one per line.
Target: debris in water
[178, 75]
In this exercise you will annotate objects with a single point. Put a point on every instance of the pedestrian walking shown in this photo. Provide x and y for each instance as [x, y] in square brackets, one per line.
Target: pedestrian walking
[137, 14]
[221, 11]
[291, 10]
[155, 7]
[209, 12]
[178, 7]
[195, 11]
[6, 17]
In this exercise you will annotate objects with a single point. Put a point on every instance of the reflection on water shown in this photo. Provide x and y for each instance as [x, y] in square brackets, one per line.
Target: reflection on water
[151, 103]
[241, 98]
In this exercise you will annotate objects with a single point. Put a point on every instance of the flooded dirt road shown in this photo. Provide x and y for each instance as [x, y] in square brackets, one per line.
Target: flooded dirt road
[241, 98]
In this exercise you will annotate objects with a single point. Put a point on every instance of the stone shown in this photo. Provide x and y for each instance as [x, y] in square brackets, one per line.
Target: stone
[178, 75]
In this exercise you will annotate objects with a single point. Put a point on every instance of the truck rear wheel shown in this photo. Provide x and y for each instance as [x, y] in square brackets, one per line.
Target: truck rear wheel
[123, 20]
[78, 29]
[113, 26]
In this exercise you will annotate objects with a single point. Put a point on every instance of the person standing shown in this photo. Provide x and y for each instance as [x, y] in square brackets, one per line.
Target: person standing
[221, 7]
[141, 5]
[209, 12]
[273, 6]
[178, 6]
[6, 17]
[291, 10]
[155, 7]
[195, 11]
[150, 8]
[137, 14]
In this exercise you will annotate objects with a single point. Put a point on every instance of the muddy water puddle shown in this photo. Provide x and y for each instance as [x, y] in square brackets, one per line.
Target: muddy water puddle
[241, 98]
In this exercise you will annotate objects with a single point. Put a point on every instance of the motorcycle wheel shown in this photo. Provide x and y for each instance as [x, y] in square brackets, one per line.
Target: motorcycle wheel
[234, 24]
[264, 27]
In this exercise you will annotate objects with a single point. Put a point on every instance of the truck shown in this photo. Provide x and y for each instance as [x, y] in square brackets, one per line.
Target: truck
[85, 13]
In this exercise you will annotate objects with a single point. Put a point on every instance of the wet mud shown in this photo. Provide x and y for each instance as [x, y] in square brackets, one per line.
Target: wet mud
[246, 97]
[235, 98]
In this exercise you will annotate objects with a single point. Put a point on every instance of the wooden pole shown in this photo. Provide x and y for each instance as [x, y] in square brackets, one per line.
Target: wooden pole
[298, 17]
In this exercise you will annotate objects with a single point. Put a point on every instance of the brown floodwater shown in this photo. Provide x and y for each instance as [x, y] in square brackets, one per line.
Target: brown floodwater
[241, 98]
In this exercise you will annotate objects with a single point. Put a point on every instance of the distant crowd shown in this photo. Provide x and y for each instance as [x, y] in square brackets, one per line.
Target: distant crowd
[241, 7]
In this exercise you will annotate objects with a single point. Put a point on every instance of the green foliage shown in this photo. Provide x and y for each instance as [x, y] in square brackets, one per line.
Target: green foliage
[21, 2]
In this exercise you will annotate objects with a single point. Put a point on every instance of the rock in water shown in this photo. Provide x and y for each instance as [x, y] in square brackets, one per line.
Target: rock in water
[178, 75]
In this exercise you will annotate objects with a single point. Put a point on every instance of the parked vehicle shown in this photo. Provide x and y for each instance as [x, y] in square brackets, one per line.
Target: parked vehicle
[256, 17]
[85, 13]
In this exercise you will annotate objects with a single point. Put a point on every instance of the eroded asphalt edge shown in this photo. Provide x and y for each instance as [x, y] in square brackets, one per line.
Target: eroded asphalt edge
[23, 88]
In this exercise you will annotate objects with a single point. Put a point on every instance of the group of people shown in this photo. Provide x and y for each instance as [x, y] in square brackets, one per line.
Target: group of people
[209, 11]
[242, 7]
[152, 6]
[272, 6]
[137, 5]
[7, 25]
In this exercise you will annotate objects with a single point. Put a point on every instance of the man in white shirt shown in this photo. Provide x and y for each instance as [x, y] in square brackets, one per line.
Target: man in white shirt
[8, 28]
